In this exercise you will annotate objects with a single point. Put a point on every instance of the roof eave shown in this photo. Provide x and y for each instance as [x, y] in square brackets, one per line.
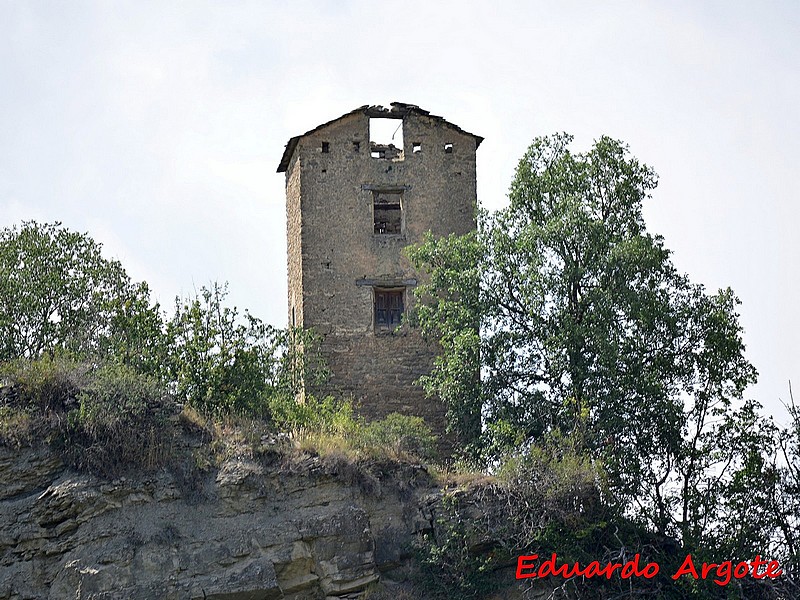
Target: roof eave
[398, 111]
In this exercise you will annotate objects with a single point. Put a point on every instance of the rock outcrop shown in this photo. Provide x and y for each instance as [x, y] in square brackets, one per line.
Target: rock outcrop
[249, 530]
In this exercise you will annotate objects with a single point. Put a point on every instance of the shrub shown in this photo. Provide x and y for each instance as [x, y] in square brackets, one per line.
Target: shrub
[100, 418]
[225, 363]
[122, 422]
[547, 497]
[37, 396]
[400, 436]
[329, 425]
[328, 415]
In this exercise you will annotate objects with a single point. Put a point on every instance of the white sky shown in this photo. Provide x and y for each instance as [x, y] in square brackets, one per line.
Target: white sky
[157, 126]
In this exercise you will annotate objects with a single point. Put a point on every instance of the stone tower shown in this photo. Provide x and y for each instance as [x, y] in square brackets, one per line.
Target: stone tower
[352, 204]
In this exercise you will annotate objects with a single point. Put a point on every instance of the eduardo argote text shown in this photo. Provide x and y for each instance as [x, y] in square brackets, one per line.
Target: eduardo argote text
[721, 573]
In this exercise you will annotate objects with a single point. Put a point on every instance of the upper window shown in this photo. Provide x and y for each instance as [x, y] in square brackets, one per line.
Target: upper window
[387, 211]
[386, 138]
[388, 308]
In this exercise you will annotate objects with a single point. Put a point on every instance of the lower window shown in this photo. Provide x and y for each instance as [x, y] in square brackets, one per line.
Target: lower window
[388, 308]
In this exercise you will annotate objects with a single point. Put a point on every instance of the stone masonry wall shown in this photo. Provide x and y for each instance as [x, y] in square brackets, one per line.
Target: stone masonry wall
[341, 260]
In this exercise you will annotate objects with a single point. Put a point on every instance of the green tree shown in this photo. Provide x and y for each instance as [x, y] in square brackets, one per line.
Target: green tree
[578, 323]
[223, 362]
[785, 507]
[59, 294]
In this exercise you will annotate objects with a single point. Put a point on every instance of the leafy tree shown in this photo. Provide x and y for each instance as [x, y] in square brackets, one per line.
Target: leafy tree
[577, 322]
[785, 507]
[222, 362]
[58, 293]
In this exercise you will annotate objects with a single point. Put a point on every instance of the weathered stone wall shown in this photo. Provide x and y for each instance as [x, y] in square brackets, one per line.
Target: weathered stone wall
[244, 532]
[340, 260]
[295, 256]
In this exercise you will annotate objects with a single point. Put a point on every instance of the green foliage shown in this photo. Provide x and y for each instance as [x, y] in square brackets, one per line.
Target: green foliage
[451, 312]
[785, 506]
[101, 419]
[330, 423]
[327, 415]
[400, 435]
[766, 488]
[577, 321]
[222, 363]
[121, 422]
[38, 394]
[452, 562]
[544, 498]
[58, 293]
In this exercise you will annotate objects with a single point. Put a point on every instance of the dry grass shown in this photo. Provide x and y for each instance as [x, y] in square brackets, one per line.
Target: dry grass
[459, 476]
[16, 427]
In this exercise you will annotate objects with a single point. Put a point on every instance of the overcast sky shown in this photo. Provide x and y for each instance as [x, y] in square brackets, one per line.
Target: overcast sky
[158, 127]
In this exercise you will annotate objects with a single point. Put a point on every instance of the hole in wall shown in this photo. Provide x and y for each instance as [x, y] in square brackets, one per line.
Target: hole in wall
[386, 138]
[387, 211]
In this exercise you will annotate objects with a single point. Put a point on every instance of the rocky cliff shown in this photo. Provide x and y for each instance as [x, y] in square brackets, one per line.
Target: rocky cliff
[247, 530]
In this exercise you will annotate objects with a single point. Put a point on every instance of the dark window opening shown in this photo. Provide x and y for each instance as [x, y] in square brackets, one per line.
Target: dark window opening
[387, 210]
[448, 148]
[388, 308]
[417, 147]
[326, 147]
[356, 146]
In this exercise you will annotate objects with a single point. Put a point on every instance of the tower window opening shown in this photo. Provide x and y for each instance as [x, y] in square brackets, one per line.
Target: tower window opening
[386, 138]
[387, 211]
[448, 148]
[326, 147]
[388, 308]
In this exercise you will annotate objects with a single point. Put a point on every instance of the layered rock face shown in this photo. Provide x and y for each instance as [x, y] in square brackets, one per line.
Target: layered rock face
[247, 531]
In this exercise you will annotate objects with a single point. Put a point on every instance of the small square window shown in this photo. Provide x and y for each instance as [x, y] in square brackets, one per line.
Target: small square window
[388, 308]
[416, 147]
[326, 147]
[448, 148]
[387, 211]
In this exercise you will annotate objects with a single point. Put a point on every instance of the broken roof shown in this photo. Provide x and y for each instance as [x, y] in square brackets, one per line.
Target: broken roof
[398, 110]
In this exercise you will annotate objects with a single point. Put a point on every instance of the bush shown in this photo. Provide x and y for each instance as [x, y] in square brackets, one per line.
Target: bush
[328, 415]
[400, 436]
[102, 419]
[224, 363]
[330, 424]
[122, 422]
[37, 396]
[545, 498]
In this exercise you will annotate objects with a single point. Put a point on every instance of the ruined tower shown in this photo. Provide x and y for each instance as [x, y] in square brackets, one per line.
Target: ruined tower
[353, 202]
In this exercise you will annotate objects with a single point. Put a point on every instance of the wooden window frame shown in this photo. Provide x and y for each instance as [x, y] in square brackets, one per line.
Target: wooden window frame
[388, 308]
